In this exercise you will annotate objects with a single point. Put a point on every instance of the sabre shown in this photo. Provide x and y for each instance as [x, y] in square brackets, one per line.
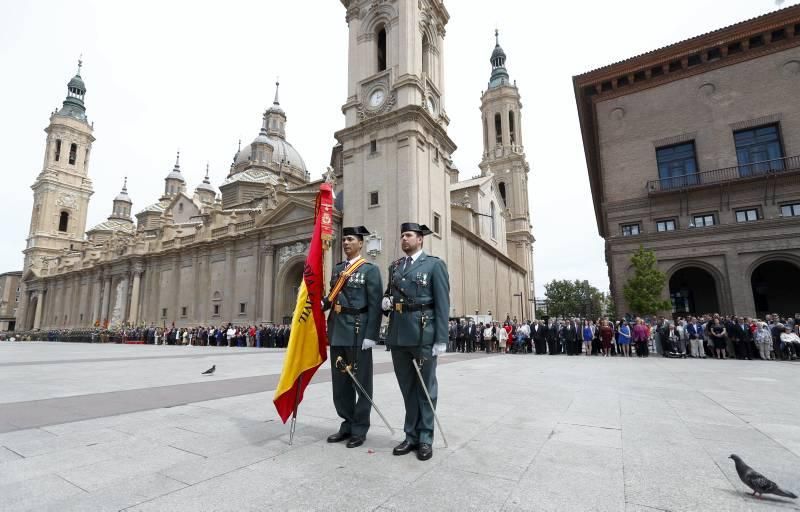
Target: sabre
[348, 368]
[417, 367]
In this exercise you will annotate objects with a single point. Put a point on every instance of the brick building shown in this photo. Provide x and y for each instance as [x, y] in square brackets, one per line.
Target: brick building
[693, 150]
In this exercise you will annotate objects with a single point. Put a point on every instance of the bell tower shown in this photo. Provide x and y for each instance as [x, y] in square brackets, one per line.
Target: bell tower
[396, 164]
[62, 189]
[504, 157]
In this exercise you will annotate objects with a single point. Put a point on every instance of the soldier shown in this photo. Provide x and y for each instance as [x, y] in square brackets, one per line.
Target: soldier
[353, 325]
[417, 301]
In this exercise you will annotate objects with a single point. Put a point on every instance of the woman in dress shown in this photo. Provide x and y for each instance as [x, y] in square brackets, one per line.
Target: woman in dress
[587, 336]
[606, 335]
[719, 337]
[624, 340]
[502, 338]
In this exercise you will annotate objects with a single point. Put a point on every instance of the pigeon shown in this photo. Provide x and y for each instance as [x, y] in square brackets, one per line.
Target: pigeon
[758, 482]
[210, 371]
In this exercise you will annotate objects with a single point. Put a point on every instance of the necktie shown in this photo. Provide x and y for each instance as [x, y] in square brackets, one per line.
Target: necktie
[346, 265]
[409, 261]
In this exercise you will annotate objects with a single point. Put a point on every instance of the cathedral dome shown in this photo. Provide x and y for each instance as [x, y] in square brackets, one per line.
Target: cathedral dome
[283, 151]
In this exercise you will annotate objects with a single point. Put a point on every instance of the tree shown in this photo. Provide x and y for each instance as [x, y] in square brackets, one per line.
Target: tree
[573, 298]
[643, 290]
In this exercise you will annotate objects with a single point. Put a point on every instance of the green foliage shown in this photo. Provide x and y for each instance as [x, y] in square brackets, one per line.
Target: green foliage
[574, 298]
[643, 289]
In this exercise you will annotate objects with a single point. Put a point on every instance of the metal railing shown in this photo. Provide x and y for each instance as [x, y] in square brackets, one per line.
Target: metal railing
[724, 175]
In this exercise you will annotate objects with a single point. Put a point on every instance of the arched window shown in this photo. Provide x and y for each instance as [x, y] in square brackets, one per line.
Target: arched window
[426, 50]
[502, 188]
[180, 207]
[73, 153]
[498, 129]
[485, 134]
[382, 48]
[494, 224]
[63, 222]
[511, 126]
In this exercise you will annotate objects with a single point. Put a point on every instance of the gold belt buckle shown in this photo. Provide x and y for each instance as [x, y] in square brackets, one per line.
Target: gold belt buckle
[398, 307]
[337, 308]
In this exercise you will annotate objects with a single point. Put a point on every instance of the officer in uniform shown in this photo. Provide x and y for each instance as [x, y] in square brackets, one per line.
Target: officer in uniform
[417, 300]
[353, 324]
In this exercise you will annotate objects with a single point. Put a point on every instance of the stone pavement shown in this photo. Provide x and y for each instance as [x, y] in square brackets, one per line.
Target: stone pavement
[113, 427]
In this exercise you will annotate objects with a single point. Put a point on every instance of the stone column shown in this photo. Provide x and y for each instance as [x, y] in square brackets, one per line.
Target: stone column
[134, 313]
[229, 308]
[37, 318]
[106, 301]
[97, 291]
[267, 288]
[176, 291]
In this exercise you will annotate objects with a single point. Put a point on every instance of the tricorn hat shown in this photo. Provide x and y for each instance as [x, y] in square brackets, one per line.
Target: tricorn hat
[422, 229]
[359, 231]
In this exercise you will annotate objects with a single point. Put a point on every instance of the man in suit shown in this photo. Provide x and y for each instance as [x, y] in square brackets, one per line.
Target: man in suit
[539, 337]
[552, 339]
[417, 300]
[354, 322]
[472, 336]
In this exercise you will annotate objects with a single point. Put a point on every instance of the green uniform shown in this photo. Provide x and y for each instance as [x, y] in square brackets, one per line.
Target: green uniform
[420, 291]
[358, 317]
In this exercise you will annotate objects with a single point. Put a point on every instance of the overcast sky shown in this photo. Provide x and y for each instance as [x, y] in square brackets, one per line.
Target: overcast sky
[196, 76]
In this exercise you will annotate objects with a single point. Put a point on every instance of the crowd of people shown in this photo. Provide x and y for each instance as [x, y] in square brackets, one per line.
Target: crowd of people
[707, 336]
[261, 336]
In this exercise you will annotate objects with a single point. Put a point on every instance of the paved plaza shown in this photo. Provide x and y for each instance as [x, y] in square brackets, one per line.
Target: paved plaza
[120, 427]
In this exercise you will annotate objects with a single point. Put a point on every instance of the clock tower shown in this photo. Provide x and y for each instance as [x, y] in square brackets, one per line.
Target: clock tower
[396, 164]
[62, 189]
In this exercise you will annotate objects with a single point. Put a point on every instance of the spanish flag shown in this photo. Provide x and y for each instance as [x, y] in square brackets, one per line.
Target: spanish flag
[308, 339]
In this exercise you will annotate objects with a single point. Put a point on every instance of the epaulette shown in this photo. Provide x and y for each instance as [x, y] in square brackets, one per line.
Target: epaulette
[398, 261]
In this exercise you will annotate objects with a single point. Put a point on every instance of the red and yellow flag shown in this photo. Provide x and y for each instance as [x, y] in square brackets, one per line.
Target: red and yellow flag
[308, 339]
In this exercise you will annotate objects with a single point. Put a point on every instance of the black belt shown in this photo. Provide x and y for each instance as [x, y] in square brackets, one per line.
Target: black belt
[342, 310]
[401, 307]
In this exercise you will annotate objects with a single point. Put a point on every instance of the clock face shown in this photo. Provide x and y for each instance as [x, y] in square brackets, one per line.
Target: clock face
[376, 98]
[431, 105]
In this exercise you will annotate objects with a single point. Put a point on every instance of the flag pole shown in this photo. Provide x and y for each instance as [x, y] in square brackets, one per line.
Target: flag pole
[294, 412]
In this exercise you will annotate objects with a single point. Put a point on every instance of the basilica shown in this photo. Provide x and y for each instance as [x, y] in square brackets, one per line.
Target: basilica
[235, 253]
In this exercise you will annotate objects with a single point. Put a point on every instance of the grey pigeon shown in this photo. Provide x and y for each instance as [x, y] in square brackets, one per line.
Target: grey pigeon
[758, 482]
[210, 371]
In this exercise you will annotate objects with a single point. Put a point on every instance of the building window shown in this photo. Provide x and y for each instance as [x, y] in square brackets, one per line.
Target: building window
[58, 150]
[665, 225]
[437, 224]
[242, 308]
[498, 129]
[677, 165]
[747, 215]
[374, 198]
[183, 311]
[63, 222]
[790, 210]
[703, 221]
[758, 150]
[502, 188]
[180, 207]
[426, 48]
[382, 49]
[485, 134]
[630, 229]
[511, 127]
[163, 312]
[73, 153]
[216, 309]
[493, 223]
[373, 147]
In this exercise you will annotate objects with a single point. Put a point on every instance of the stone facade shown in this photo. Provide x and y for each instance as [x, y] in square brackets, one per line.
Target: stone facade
[396, 166]
[198, 257]
[704, 92]
[9, 299]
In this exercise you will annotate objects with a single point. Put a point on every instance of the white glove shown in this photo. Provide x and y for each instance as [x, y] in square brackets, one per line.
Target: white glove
[386, 304]
[367, 344]
[439, 348]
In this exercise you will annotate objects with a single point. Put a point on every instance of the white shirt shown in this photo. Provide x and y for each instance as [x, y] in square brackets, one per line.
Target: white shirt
[414, 256]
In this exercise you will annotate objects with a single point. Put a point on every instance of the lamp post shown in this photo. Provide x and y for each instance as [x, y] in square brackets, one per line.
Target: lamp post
[374, 244]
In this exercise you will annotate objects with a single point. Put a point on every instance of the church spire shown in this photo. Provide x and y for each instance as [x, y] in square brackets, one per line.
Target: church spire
[76, 91]
[275, 117]
[498, 59]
